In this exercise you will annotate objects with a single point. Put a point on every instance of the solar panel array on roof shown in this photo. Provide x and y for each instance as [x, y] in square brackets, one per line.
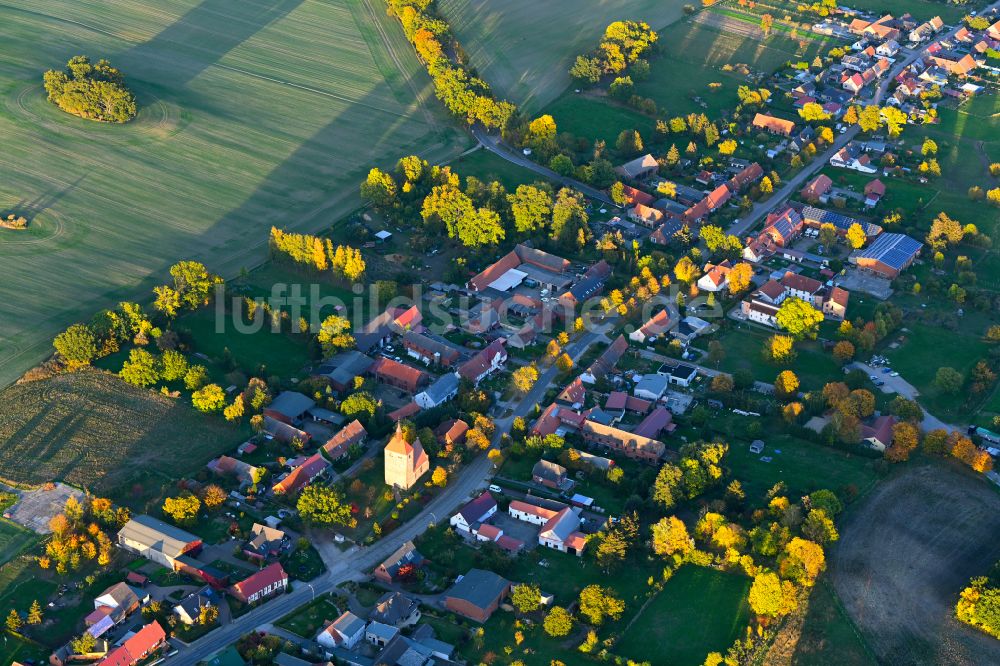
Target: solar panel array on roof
[894, 250]
[786, 224]
[842, 222]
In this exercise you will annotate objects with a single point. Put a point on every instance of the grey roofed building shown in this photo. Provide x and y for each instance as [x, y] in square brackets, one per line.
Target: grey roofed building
[342, 368]
[586, 288]
[285, 659]
[380, 633]
[156, 540]
[442, 390]
[290, 404]
[639, 167]
[349, 624]
[651, 386]
[283, 432]
[189, 608]
[394, 608]
[479, 587]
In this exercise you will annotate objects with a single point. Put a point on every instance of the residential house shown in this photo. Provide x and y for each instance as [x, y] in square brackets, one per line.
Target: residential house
[485, 363]
[116, 603]
[656, 422]
[396, 610]
[630, 444]
[451, 432]
[285, 433]
[405, 462]
[874, 191]
[257, 587]
[188, 610]
[651, 387]
[549, 474]
[265, 543]
[137, 647]
[619, 401]
[817, 188]
[606, 362]
[350, 435]
[479, 510]
[639, 168]
[430, 351]
[311, 469]
[443, 389]
[877, 433]
[888, 49]
[243, 472]
[346, 631]
[399, 375]
[574, 393]
[682, 375]
[716, 277]
[773, 125]
[342, 369]
[853, 157]
[657, 325]
[380, 634]
[634, 196]
[644, 215]
[406, 558]
[562, 532]
[800, 286]
[157, 541]
[888, 256]
[289, 407]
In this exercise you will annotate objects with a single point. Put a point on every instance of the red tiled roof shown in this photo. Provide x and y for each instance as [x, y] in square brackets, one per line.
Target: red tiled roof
[800, 282]
[573, 393]
[876, 186]
[349, 435]
[487, 531]
[819, 186]
[634, 196]
[302, 475]
[479, 363]
[404, 412]
[772, 289]
[493, 272]
[387, 368]
[533, 509]
[772, 124]
[256, 582]
[133, 650]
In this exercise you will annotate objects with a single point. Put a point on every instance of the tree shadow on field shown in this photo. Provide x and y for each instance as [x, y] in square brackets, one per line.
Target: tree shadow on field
[206, 33]
[34, 207]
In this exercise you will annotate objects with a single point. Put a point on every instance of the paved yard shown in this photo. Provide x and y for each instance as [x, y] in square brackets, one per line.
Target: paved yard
[517, 529]
[37, 507]
[855, 280]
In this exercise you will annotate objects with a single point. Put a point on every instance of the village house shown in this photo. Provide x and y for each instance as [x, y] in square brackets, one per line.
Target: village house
[477, 594]
[716, 277]
[657, 325]
[644, 215]
[406, 558]
[522, 263]
[429, 351]
[188, 610]
[346, 631]
[308, 471]
[573, 394]
[380, 634]
[350, 435]
[451, 432]
[289, 407]
[113, 606]
[443, 389]
[265, 543]
[656, 422]
[853, 157]
[562, 532]
[630, 444]
[396, 610]
[245, 473]
[485, 363]
[817, 188]
[874, 191]
[284, 433]
[342, 369]
[137, 647]
[606, 362]
[876, 434]
[401, 376]
[476, 511]
[405, 462]
[257, 587]
[550, 475]
[773, 125]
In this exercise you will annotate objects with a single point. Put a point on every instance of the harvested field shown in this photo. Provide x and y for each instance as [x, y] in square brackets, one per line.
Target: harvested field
[903, 556]
[524, 48]
[94, 431]
[252, 113]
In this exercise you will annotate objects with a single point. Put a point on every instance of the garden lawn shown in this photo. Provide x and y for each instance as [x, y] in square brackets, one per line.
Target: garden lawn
[487, 166]
[94, 431]
[802, 465]
[700, 610]
[13, 540]
[593, 118]
[921, 355]
[308, 620]
[210, 163]
[524, 48]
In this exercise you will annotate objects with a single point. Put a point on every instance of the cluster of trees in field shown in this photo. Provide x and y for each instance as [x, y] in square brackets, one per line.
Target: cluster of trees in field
[622, 47]
[318, 254]
[467, 96]
[979, 603]
[95, 91]
[478, 215]
[13, 221]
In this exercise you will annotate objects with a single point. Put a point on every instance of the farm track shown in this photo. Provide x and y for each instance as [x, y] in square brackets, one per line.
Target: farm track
[903, 556]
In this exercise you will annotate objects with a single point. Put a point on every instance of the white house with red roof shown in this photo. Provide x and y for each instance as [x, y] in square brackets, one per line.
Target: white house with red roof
[485, 363]
[257, 587]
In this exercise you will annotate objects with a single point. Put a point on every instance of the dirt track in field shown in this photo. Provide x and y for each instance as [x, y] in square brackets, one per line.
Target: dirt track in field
[903, 556]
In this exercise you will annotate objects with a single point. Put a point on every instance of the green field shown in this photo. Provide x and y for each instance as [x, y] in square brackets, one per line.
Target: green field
[699, 611]
[95, 431]
[525, 48]
[593, 118]
[828, 635]
[487, 166]
[213, 158]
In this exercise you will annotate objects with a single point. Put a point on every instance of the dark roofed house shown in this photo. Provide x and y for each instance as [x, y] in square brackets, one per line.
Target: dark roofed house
[606, 362]
[474, 512]
[443, 389]
[549, 474]
[396, 610]
[877, 434]
[283, 432]
[265, 543]
[300, 477]
[256, 587]
[656, 422]
[289, 407]
[341, 369]
[351, 434]
[429, 350]
[485, 362]
[477, 594]
[405, 555]
[451, 432]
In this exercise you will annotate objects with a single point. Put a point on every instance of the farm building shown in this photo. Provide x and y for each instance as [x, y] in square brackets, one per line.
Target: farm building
[888, 256]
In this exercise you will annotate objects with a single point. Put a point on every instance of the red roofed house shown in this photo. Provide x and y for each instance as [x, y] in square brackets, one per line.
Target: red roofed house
[773, 125]
[404, 412]
[749, 175]
[486, 362]
[817, 188]
[521, 254]
[351, 434]
[645, 215]
[634, 196]
[397, 374]
[877, 435]
[451, 433]
[656, 422]
[134, 650]
[300, 477]
[267, 582]
[573, 394]
[716, 277]
[657, 325]
[874, 191]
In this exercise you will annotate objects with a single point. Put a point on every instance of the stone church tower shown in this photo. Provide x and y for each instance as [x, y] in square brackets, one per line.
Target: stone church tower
[405, 463]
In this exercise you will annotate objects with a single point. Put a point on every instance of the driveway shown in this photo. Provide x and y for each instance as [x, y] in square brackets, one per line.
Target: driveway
[897, 385]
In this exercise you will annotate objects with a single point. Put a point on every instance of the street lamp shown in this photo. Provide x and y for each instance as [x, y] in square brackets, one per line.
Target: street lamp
[313, 590]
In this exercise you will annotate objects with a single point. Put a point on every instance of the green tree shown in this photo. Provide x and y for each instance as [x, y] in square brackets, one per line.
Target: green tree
[195, 377]
[91, 91]
[168, 301]
[772, 597]
[140, 369]
[670, 537]
[173, 365]
[193, 283]
[379, 188]
[182, 509]
[667, 486]
[629, 142]
[77, 345]
[799, 318]
[948, 380]
[324, 506]
[209, 398]
[598, 603]
[83, 644]
[558, 622]
[531, 208]
[526, 597]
